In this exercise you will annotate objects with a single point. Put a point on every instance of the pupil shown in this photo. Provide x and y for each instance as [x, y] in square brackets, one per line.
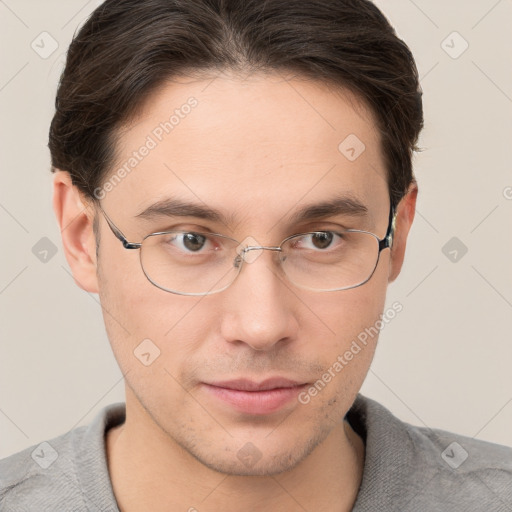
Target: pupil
[193, 241]
[322, 240]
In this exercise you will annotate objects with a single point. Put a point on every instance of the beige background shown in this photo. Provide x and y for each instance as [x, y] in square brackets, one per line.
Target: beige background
[444, 361]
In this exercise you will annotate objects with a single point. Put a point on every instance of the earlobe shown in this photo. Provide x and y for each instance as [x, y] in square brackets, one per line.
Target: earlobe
[75, 218]
[404, 219]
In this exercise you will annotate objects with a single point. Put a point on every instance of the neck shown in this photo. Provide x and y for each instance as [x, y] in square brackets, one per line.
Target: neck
[150, 471]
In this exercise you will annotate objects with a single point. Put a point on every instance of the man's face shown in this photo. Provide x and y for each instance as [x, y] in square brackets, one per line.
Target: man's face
[257, 151]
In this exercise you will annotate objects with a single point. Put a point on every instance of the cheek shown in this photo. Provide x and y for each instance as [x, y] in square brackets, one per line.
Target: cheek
[352, 321]
[354, 310]
[345, 355]
[136, 311]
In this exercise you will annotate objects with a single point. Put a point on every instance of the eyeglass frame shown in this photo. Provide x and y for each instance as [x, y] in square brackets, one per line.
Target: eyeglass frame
[384, 243]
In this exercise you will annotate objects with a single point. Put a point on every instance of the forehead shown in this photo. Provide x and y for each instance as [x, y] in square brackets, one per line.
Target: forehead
[260, 147]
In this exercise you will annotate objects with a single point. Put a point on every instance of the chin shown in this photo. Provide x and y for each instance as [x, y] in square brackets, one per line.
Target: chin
[259, 458]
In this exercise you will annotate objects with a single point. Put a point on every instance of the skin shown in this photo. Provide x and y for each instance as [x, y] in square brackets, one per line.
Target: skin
[255, 149]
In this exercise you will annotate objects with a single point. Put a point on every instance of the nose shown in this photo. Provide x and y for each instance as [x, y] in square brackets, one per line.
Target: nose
[258, 307]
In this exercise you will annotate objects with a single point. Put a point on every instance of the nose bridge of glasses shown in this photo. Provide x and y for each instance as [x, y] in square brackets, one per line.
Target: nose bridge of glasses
[253, 247]
[249, 258]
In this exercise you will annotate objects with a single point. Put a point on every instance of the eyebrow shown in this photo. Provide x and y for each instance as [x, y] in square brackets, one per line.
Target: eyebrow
[346, 205]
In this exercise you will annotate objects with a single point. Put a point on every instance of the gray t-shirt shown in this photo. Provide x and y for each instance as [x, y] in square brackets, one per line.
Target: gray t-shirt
[406, 468]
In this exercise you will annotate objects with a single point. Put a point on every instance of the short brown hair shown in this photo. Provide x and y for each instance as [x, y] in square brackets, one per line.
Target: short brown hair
[128, 48]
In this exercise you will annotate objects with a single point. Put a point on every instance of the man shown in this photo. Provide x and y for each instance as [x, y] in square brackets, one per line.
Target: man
[234, 179]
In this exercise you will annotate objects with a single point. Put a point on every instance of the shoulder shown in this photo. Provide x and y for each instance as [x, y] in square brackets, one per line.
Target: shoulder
[468, 473]
[422, 468]
[42, 474]
[459, 452]
[68, 472]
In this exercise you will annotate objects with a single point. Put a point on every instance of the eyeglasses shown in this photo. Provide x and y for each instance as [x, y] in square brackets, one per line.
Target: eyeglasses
[202, 263]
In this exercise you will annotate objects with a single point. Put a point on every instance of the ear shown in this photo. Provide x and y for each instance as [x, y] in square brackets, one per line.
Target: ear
[75, 217]
[404, 219]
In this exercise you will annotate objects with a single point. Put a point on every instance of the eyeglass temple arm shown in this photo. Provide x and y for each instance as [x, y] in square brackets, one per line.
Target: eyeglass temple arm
[117, 232]
[387, 241]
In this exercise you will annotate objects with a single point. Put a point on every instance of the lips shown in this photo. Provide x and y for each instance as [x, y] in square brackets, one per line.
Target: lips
[249, 385]
[251, 397]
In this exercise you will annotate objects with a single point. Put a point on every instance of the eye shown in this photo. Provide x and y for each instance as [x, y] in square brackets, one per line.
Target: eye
[188, 241]
[318, 240]
[193, 241]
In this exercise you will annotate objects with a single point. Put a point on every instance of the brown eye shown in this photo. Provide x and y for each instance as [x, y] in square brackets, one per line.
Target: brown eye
[193, 241]
[322, 239]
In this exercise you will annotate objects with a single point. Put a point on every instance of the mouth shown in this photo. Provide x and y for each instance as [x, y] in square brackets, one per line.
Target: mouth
[251, 397]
